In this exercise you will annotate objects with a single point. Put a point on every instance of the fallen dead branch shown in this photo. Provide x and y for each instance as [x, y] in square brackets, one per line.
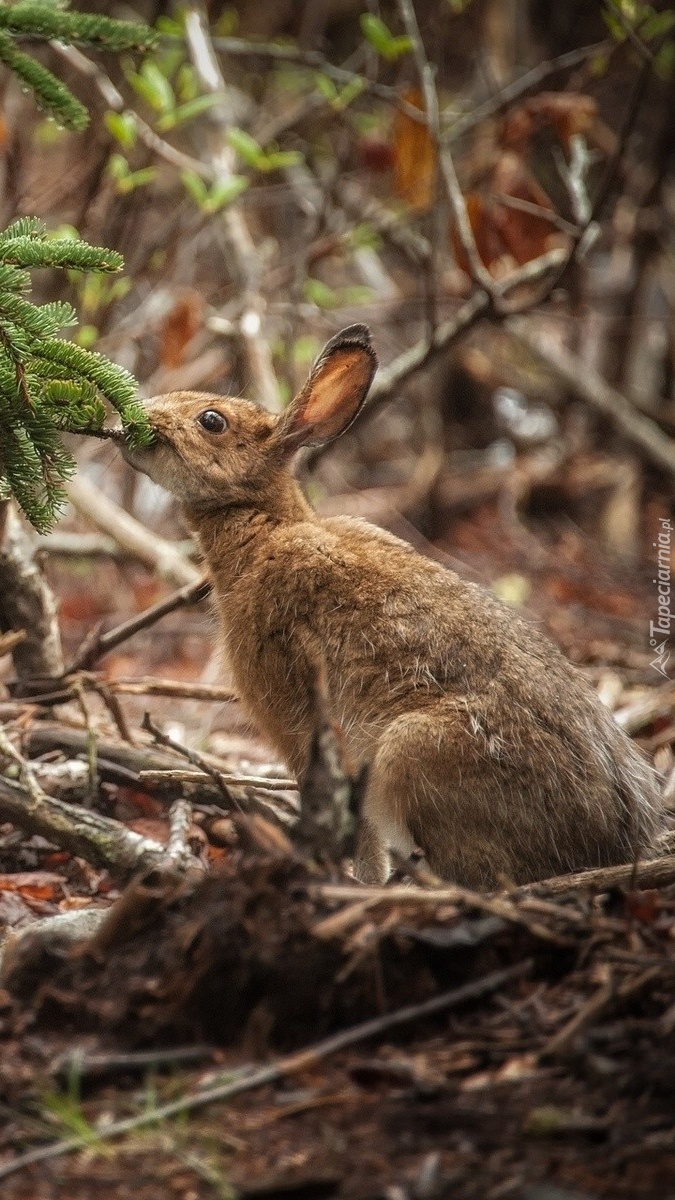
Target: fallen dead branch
[654, 873]
[101, 840]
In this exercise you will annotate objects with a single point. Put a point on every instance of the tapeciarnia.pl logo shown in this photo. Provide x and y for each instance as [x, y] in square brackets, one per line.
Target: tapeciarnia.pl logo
[659, 630]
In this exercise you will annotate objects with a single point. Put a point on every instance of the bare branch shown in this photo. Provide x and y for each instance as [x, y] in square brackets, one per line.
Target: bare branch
[109, 518]
[102, 841]
[478, 270]
[245, 260]
[585, 382]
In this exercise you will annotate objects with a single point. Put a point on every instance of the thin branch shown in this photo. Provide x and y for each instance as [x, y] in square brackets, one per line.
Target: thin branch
[197, 760]
[245, 261]
[146, 685]
[261, 782]
[390, 379]
[291, 1064]
[115, 101]
[528, 82]
[144, 545]
[63, 543]
[585, 382]
[653, 873]
[96, 644]
[477, 269]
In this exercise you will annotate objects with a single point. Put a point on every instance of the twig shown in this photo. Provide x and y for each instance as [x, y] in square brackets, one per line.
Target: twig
[528, 82]
[97, 644]
[152, 550]
[88, 1065]
[157, 778]
[101, 840]
[180, 822]
[115, 100]
[192, 756]
[653, 873]
[477, 269]
[580, 242]
[583, 380]
[291, 1064]
[390, 379]
[243, 255]
[146, 685]
[63, 543]
[561, 1041]
[496, 906]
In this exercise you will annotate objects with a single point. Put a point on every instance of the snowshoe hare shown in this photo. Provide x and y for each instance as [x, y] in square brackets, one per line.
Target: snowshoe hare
[486, 747]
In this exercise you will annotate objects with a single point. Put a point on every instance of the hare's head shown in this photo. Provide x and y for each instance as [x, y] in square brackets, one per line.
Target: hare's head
[215, 451]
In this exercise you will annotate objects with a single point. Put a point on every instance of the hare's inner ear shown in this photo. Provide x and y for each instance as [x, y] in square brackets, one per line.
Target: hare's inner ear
[337, 386]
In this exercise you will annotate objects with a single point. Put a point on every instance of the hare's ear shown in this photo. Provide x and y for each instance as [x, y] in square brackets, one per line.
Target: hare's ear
[337, 386]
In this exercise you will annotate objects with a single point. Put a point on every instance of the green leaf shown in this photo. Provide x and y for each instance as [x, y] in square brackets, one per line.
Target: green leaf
[664, 61]
[349, 93]
[325, 85]
[247, 148]
[195, 186]
[87, 336]
[122, 126]
[136, 179]
[224, 193]
[188, 111]
[319, 293]
[381, 39]
[657, 25]
[276, 160]
[153, 87]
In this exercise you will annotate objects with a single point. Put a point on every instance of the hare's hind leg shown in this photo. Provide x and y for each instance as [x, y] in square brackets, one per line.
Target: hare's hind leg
[428, 787]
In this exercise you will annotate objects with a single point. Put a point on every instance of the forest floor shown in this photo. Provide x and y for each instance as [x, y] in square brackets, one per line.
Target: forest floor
[545, 1070]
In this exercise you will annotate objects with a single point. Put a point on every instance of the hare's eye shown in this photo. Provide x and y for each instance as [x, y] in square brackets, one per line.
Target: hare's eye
[212, 421]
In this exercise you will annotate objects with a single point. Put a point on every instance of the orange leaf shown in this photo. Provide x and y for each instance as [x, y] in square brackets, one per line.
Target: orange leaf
[489, 241]
[37, 885]
[376, 154]
[414, 157]
[644, 906]
[180, 326]
[568, 113]
[527, 235]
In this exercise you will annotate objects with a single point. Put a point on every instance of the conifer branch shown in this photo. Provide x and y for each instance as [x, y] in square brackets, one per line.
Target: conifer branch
[48, 385]
[45, 22]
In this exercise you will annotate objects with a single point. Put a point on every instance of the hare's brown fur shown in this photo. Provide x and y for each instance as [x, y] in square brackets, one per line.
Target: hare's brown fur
[485, 746]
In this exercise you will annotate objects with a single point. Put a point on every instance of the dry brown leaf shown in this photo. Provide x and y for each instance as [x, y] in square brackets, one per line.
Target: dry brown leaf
[414, 157]
[180, 326]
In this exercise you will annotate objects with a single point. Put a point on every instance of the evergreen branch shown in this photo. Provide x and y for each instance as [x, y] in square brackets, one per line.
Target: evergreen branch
[24, 227]
[48, 385]
[49, 92]
[87, 29]
[60, 252]
[116, 384]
